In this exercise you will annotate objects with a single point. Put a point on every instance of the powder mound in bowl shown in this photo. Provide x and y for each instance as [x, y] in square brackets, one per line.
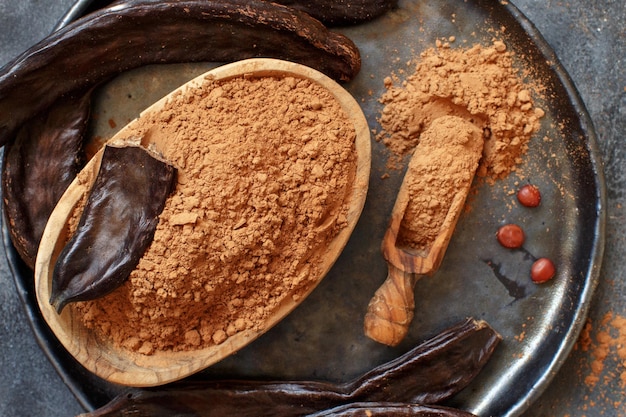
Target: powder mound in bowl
[264, 169]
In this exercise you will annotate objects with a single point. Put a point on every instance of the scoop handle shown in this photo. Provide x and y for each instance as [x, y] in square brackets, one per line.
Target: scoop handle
[390, 311]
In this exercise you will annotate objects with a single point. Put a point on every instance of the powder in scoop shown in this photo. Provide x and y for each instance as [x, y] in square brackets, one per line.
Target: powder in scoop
[442, 166]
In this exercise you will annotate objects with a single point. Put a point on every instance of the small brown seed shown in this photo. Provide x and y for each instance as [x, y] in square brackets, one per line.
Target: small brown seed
[542, 270]
[511, 236]
[529, 196]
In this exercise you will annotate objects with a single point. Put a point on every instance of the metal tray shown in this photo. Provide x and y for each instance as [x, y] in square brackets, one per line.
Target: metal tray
[323, 337]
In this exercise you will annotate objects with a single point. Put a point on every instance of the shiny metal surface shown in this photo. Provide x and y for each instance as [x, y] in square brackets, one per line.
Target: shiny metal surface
[323, 337]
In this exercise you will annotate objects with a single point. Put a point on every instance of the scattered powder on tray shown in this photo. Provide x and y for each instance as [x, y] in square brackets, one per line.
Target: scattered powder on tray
[264, 167]
[479, 84]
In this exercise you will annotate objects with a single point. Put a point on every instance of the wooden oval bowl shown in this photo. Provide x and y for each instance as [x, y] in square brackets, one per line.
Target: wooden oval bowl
[133, 369]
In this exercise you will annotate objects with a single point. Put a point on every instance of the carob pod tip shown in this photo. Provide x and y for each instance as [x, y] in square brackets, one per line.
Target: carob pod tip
[342, 12]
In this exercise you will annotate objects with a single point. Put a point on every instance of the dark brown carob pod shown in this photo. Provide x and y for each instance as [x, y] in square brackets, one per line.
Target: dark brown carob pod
[427, 374]
[116, 226]
[140, 32]
[38, 167]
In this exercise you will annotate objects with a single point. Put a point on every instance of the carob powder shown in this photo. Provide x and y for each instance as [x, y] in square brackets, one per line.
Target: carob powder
[264, 168]
[479, 84]
[442, 166]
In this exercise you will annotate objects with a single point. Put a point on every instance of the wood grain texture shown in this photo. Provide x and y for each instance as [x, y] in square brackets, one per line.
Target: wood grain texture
[391, 309]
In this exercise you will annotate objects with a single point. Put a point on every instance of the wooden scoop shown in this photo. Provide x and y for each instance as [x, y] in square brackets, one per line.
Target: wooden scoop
[125, 367]
[390, 311]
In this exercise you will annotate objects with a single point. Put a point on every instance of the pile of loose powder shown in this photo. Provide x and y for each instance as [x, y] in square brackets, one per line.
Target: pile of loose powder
[479, 84]
[264, 168]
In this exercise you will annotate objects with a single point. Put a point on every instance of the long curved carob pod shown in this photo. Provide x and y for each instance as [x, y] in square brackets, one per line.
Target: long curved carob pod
[116, 226]
[131, 34]
[39, 166]
[429, 373]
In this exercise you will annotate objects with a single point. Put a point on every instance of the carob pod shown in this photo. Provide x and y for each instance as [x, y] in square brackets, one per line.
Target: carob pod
[427, 374]
[435, 370]
[116, 226]
[134, 33]
[338, 12]
[39, 166]
[384, 409]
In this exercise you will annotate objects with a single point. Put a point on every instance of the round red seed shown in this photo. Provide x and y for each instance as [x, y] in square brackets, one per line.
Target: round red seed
[529, 196]
[542, 270]
[511, 236]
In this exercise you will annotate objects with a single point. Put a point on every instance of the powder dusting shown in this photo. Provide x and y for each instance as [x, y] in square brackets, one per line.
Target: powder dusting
[479, 84]
[264, 168]
[605, 367]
